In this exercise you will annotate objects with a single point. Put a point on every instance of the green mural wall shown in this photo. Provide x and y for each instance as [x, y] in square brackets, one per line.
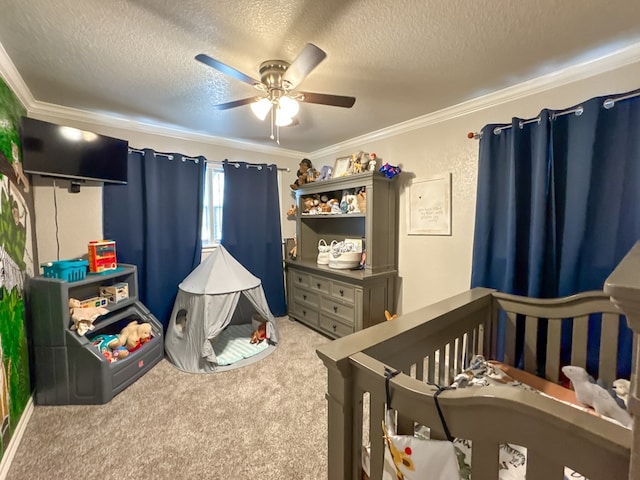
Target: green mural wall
[17, 262]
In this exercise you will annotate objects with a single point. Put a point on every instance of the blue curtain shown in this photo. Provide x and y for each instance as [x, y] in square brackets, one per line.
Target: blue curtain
[156, 221]
[251, 226]
[558, 204]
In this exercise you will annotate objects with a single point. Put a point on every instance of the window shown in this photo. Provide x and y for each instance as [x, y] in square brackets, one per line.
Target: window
[212, 205]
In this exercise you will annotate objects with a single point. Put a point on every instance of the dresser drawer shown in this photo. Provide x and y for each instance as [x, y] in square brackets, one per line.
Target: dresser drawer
[345, 312]
[304, 313]
[306, 297]
[335, 327]
[343, 291]
[301, 279]
[319, 284]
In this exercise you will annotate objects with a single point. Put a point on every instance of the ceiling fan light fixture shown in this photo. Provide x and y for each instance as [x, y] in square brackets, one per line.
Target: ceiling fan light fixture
[261, 108]
[282, 120]
[288, 106]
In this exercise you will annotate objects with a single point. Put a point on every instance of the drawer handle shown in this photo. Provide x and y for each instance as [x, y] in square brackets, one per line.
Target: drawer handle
[318, 285]
[335, 309]
[304, 313]
[335, 327]
[304, 297]
[299, 280]
[341, 293]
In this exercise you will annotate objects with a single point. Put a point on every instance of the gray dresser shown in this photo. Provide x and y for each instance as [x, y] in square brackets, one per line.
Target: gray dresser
[337, 302]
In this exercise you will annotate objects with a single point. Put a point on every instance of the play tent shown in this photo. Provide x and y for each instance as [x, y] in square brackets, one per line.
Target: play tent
[218, 306]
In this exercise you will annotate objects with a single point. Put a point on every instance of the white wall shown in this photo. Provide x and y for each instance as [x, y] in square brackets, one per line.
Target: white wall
[430, 267]
[79, 215]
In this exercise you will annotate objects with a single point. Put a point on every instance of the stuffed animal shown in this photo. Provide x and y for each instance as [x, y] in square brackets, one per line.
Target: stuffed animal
[305, 174]
[134, 335]
[325, 173]
[110, 347]
[622, 387]
[388, 315]
[292, 211]
[83, 318]
[260, 333]
[593, 395]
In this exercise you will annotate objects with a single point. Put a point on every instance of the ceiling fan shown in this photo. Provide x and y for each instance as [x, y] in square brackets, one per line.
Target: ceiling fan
[278, 82]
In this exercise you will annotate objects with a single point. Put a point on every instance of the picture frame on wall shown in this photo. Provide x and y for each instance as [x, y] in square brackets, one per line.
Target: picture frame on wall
[341, 167]
[430, 206]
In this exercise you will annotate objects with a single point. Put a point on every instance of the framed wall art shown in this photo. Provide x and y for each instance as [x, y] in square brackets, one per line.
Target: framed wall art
[430, 206]
[341, 167]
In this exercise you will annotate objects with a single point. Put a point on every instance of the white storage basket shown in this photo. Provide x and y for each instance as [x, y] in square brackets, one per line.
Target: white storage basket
[323, 252]
[344, 255]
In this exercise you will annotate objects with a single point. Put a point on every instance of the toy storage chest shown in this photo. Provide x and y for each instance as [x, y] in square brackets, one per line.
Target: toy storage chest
[68, 368]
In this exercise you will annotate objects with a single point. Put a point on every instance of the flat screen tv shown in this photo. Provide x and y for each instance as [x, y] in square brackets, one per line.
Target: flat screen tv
[58, 151]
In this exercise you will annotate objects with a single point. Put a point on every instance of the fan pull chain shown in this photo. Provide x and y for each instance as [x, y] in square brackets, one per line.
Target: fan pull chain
[272, 122]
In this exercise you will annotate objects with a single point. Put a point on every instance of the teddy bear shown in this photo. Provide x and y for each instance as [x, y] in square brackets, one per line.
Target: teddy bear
[134, 335]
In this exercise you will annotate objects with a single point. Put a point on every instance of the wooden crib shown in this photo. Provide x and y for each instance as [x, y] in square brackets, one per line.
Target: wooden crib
[433, 344]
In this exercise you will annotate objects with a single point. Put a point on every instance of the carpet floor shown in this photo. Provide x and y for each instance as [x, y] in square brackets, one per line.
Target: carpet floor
[267, 420]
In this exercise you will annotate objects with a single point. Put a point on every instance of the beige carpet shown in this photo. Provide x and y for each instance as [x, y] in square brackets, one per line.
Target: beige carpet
[266, 420]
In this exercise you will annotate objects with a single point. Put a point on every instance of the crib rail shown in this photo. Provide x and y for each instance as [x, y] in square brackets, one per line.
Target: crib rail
[546, 318]
[400, 343]
[555, 434]
[436, 343]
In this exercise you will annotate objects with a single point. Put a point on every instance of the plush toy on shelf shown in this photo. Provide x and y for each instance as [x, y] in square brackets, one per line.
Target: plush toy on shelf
[305, 174]
[390, 171]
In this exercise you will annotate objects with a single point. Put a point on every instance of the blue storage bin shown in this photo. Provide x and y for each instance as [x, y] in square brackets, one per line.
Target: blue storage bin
[69, 270]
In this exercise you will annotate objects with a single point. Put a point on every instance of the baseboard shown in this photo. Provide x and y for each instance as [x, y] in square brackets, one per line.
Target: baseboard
[7, 458]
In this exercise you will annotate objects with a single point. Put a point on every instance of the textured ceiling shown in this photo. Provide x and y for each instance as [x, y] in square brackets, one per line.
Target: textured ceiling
[401, 59]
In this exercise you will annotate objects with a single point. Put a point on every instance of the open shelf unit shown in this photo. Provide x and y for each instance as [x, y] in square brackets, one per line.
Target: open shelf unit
[68, 368]
[335, 301]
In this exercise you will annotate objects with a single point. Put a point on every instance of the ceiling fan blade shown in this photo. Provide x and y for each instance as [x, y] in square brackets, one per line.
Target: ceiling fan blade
[236, 103]
[308, 59]
[325, 99]
[232, 72]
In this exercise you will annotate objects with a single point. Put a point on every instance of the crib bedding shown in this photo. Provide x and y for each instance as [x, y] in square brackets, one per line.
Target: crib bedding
[512, 458]
[484, 373]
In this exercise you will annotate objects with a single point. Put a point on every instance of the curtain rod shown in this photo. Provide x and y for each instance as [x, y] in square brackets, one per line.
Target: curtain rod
[163, 154]
[608, 104]
[196, 160]
[254, 165]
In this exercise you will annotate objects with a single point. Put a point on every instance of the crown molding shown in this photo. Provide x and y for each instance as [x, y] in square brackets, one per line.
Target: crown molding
[580, 71]
[590, 68]
[12, 78]
[35, 107]
[126, 123]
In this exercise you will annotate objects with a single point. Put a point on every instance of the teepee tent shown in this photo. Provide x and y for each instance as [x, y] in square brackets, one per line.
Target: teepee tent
[219, 296]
